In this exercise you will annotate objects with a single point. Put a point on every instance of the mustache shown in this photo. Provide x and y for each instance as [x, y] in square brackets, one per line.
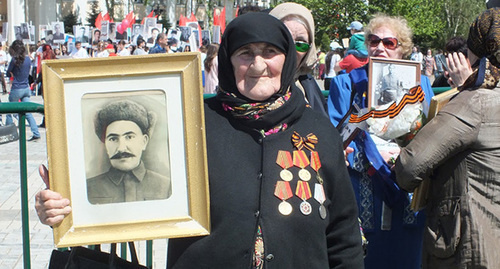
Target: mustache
[120, 155]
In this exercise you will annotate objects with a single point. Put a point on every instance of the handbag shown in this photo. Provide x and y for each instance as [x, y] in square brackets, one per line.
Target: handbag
[86, 258]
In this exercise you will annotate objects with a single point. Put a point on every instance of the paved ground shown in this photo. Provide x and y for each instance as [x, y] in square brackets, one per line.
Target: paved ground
[41, 241]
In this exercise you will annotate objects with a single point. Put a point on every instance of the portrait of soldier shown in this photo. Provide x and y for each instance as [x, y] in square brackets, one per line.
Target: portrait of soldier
[82, 34]
[391, 87]
[125, 127]
[58, 31]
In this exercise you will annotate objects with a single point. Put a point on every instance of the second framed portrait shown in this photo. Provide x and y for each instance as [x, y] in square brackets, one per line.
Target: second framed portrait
[389, 80]
[126, 145]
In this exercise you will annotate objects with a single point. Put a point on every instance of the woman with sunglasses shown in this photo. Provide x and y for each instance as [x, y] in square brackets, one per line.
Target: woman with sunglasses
[393, 231]
[298, 19]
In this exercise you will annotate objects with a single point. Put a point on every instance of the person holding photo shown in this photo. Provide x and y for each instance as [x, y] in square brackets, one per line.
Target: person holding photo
[257, 221]
[458, 152]
[393, 231]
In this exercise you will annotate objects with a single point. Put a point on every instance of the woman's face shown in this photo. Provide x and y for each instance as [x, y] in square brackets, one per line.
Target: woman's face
[380, 50]
[257, 70]
[299, 33]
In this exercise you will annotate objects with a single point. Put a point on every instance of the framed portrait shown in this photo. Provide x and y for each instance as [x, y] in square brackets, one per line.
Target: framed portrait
[58, 31]
[126, 145]
[389, 80]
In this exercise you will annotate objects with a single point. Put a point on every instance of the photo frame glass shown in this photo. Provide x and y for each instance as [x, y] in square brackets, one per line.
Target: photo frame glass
[128, 152]
[389, 80]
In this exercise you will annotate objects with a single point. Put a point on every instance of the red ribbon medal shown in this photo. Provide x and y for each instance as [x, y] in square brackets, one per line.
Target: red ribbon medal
[284, 160]
[316, 165]
[300, 160]
[304, 192]
[283, 191]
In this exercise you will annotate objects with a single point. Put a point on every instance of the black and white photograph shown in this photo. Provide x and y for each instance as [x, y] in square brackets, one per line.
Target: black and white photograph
[149, 23]
[25, 31]
[205, 38]
[82, 34]
[185, 33]
[32, 34]
[58, 31]
[137, 33]
[96, 35]
[152, 34]
[123, 150]
[119, 143]
[18, 32]
[112, 31]
[49, 37]
[390, 80]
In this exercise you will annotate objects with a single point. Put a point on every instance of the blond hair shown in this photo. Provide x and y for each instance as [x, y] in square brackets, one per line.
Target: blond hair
[398, 25]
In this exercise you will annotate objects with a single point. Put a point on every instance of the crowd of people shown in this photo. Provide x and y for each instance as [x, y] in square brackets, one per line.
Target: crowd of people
[268, 107]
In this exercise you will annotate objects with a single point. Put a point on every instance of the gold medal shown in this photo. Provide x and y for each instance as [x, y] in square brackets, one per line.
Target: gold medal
[283, 191]
[305, 208]
[284, 160]
[304, 175]
[285, 208]
[286, 175]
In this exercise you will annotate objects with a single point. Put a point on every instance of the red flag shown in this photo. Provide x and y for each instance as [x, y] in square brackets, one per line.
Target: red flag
[193, 17]
[105, 17]
[182, 20]
[223, 20]
[216, 17]
[237, 10]
[98, 21]
[151, 14]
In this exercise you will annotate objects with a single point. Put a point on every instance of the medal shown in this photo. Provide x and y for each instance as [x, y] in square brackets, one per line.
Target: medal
[316, 165]
[283, 191]
[300, 160]
[305, 208]
[322, 211]
[304, 192]
[319, 195]
[285, 208]
[284, 160]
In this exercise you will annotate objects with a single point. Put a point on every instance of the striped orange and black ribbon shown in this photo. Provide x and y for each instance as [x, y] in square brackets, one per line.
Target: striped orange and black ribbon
[307, 142]
[415, 94]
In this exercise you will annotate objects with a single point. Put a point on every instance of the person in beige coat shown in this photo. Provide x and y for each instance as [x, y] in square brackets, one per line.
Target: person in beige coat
[459, 152]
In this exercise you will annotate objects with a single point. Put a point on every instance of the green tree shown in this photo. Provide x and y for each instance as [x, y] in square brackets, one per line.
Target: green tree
[92, 15]
[70, 20]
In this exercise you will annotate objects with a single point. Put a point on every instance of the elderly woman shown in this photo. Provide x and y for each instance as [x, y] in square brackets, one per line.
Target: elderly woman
[299, 20]
[393, 231]
[458, 151]
[269, 212]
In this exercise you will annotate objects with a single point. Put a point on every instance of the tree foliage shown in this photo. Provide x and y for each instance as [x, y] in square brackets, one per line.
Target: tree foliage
[70, 20]
[93, 13]
[433, 21]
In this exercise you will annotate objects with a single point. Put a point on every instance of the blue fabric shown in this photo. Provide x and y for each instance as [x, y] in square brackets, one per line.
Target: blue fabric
[157, 49]
[375, 186]
[20, 74]
[23, 95]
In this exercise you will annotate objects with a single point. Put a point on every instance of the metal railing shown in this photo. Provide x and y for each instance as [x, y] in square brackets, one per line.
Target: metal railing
[27, 107]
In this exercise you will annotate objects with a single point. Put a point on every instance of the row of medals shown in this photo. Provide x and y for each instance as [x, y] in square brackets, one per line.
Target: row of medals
[285, 208]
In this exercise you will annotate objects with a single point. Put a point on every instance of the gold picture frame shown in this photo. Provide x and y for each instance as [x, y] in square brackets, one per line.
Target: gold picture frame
[403, 73]
[420, 194]
[168, 86]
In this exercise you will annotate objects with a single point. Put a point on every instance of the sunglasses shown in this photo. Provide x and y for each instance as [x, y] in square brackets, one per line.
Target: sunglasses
[389, 42]
[302, 46]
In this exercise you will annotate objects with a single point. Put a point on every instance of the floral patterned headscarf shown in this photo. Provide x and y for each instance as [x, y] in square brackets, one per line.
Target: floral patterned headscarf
[484, 42]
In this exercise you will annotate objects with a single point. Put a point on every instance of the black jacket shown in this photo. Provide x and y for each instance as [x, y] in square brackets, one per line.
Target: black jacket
[243, 175]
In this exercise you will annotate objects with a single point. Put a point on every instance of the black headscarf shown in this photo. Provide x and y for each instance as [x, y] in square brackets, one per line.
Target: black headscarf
[257, 27]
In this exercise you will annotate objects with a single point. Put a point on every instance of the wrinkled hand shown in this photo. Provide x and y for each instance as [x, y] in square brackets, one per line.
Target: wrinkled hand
[51, 207]
[459, 69]
[347, 151]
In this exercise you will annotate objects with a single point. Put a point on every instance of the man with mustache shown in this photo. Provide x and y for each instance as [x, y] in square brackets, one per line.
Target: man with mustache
[125, 127]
